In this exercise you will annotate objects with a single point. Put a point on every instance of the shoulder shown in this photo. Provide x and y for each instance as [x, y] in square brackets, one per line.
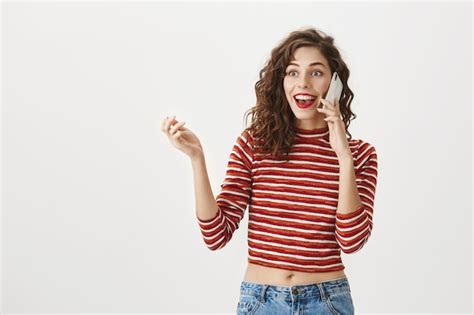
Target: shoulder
[364, 149]
[246, 136]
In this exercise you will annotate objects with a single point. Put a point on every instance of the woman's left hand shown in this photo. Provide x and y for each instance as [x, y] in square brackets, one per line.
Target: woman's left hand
[337, 129]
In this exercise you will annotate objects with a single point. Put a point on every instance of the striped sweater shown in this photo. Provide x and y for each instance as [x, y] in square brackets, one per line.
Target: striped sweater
[293, 223]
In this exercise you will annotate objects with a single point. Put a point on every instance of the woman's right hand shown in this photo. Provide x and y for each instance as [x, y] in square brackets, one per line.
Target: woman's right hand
[181, 137]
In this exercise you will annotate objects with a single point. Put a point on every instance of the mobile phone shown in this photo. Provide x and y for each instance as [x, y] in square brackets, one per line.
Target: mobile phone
[335, 89]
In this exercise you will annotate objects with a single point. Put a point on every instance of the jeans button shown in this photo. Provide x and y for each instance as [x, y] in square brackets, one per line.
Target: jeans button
[295, 290]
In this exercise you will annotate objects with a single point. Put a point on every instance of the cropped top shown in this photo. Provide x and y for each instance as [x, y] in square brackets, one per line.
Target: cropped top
[293, 223]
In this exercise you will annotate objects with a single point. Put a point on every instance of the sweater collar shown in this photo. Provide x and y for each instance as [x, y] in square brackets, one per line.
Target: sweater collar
[313, 133]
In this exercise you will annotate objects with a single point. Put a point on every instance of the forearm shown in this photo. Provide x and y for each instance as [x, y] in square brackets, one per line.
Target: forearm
[206, 206]
[354, 218]
[349, 199]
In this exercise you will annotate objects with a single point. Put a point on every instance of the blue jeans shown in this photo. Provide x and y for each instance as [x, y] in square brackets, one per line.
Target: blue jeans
[331, 297]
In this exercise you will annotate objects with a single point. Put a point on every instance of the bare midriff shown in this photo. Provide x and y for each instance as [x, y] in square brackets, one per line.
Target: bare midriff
[281, 277]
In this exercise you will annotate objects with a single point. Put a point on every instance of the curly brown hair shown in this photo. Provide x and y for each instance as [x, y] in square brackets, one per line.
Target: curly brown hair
[273, 122]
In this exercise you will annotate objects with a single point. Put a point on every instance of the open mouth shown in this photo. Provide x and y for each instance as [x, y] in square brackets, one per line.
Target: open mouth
[305, 102]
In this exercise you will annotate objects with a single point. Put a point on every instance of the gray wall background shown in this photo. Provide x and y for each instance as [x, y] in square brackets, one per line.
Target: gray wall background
[98, 208]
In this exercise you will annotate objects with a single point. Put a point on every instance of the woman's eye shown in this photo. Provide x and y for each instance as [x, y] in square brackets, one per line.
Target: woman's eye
[292, 71]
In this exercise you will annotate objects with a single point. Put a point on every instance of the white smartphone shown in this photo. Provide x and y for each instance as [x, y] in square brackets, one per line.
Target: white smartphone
[335, 89]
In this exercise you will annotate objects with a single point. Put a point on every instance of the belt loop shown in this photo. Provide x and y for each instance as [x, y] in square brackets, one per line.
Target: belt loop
[262, 293]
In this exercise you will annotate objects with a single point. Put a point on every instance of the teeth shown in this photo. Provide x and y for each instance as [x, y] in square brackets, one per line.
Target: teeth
[304, 97]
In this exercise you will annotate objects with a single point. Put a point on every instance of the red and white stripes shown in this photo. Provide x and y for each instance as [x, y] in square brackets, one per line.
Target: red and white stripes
[293, 223]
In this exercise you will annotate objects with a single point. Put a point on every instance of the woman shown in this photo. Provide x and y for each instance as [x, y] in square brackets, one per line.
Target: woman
[309, 188]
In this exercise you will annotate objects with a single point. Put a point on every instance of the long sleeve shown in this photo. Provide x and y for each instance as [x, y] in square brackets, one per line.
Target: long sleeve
[353, 229]
[234, 197]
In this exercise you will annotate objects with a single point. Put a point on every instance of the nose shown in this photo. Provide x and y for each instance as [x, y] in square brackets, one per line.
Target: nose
[303, 83]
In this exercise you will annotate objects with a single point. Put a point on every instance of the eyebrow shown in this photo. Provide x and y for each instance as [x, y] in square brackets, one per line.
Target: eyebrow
[312, 64]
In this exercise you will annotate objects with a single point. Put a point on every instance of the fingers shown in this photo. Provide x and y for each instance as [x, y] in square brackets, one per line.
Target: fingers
[172, 130]
[176, 127]
[328, 108]
[330, 118]
[327, 104]
[329, 113]
[163, 124]
[176, 135]
[167, 122]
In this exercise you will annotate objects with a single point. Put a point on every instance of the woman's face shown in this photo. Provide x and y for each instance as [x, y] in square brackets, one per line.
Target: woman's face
[308, 74]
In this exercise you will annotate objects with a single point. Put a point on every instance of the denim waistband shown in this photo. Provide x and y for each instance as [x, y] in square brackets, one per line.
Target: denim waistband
[318, 290]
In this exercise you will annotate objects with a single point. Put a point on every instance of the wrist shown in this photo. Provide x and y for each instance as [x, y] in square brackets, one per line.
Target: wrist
[346, 159]
[197, 159]
[345, 156]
